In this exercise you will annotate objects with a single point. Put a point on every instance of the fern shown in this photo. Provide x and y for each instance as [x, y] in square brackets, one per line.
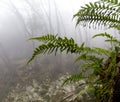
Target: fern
[112, 40]
[101, 64]
[88, 57]
[103, 12]
[53, 43]
[45, 38]
[108, 36]
[102, 51]
[73, 78]
[115, 2]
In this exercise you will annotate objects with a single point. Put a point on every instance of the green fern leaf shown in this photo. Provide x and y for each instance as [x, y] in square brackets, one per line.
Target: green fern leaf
[102, 51]
[52, 43]
[104, 35]
[102, 13]
[73, 78]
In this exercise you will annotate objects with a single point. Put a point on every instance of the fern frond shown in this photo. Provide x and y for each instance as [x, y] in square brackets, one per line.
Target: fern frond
[73, 78]
[115, 26]
[94, 67]
[85, 90]
[88, 65]
[108, 36]
[82, 75]
[42, 49]
[102, 51]
[91, 58]
[115, 41]
[109, 39]
[96, 51]
[103, 12]
[111, 1]
[45, 38]
[52, 43]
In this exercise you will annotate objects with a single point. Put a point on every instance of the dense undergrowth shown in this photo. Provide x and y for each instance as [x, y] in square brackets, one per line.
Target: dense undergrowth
[49, 91]
[100, 67]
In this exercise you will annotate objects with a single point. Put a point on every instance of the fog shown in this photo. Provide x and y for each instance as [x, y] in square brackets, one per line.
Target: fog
[23, 19]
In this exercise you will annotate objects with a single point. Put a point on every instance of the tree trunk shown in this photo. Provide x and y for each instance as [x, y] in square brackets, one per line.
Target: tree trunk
[116, 89]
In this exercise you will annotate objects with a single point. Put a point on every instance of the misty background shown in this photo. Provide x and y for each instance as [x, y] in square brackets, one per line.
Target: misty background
[23, 19]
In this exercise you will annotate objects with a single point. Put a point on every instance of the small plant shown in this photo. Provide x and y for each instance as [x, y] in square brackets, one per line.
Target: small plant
[48, 91]
[100, 67]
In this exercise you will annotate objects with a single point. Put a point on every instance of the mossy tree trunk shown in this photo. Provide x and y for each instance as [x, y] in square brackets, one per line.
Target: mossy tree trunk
[116, 89]
[113, 82]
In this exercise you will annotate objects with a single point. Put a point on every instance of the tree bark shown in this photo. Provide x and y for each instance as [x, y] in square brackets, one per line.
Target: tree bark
[116, 89]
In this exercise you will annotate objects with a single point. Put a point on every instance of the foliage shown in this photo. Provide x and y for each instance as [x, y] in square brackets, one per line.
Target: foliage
[54, 43]
[99, 67]
[93, 59]
[49, 91]
[102, 12]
